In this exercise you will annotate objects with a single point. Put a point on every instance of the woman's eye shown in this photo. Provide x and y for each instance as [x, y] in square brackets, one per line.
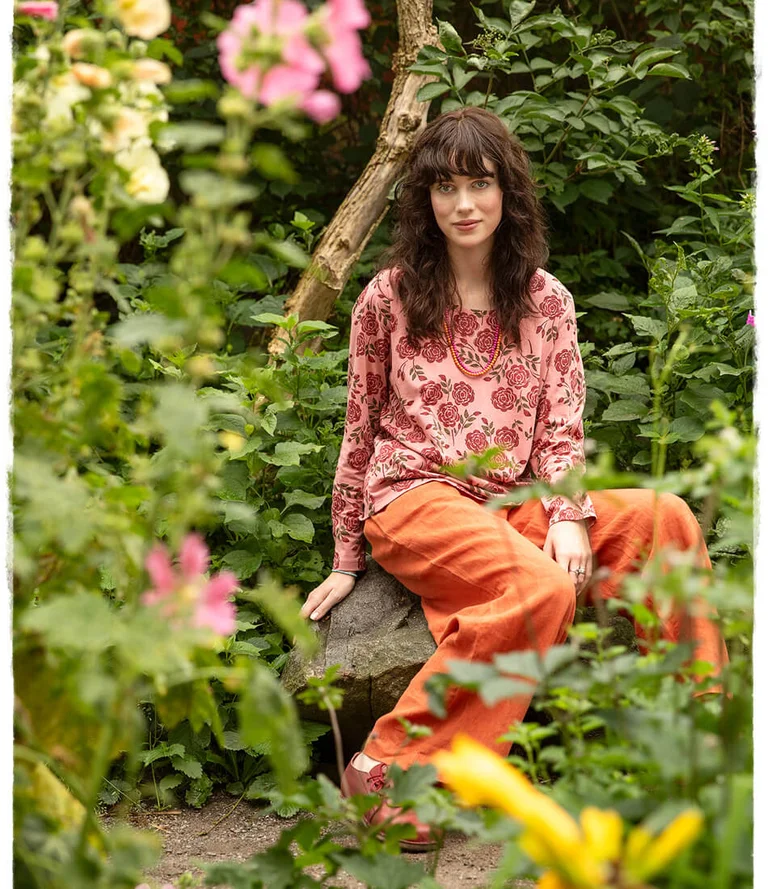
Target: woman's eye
[483, 183]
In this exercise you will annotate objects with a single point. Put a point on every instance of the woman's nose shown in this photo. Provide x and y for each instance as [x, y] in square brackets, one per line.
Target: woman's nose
[464, 200]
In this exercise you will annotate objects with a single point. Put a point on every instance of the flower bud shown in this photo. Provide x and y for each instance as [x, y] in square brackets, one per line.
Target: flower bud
[34, 249]
[92, 76]
[82, 209]
[200, 366]
[80, 42]
[233, 104]
[151, 70]
[138, 49]
[231, 441]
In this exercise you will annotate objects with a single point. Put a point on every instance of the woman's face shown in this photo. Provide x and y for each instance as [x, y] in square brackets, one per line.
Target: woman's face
[467, 208]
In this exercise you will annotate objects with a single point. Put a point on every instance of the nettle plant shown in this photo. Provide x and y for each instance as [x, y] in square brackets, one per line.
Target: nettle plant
[117, 446]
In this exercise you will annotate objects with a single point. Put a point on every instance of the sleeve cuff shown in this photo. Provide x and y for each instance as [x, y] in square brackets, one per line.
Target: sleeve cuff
[562, 509]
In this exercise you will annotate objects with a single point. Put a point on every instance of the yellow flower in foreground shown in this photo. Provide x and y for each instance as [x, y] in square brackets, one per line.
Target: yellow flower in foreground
[603, 832]
[588, 855]
[657, 854]
[481, 777]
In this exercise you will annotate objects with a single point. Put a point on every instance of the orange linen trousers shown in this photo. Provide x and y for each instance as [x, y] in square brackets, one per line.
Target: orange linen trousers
[487, 587]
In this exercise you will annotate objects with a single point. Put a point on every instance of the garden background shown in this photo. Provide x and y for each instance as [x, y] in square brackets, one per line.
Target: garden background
[163, 216]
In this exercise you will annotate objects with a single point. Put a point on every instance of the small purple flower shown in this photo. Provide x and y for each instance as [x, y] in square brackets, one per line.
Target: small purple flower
[750, 319]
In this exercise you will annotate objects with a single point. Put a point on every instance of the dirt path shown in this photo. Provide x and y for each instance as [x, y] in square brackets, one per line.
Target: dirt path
[189, 837]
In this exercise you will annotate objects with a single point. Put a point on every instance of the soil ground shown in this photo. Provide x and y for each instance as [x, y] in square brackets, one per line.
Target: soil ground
[191, 836]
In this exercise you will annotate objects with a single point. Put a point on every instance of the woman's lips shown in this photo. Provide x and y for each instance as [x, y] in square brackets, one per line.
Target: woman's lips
[467, 226]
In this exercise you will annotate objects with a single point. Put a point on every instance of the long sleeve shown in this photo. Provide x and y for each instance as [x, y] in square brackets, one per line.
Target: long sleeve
[558, 438]
[368, 382]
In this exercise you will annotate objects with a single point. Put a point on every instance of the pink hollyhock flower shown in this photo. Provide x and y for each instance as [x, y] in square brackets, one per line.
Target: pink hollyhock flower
[322, 106]
[262, 66]
[344, 51]
[187, 589]
[43, 9]
[750, 319]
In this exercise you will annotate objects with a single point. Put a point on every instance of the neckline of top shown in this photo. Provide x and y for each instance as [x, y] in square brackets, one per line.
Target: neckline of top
[463, 309]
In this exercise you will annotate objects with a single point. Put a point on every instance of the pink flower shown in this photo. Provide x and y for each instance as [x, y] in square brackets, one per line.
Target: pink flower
[44, 9]
[322, 106]
[344, 50]
[265, 69]
[750, 319]
[188, 589]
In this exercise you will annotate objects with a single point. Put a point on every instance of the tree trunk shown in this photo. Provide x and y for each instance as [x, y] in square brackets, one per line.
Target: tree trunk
[365, 206]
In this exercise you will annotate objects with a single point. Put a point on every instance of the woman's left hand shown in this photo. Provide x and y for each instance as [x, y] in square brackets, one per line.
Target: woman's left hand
[568, 544]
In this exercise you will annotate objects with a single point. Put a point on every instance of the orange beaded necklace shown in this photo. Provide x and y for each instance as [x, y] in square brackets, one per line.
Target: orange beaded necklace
[460, 364]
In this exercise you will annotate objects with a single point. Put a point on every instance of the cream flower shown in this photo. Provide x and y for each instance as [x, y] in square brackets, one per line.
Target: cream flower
[144, 18]
[63, 92]
[93, 76]
[130, 127]
[75, 42]
[151, 70]
[148, 182]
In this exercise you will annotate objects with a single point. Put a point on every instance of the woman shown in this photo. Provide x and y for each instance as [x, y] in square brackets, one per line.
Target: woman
[460, 343]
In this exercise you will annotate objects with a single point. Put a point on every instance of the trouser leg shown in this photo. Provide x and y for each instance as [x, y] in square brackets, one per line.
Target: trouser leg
[633, 526]
[485, 589]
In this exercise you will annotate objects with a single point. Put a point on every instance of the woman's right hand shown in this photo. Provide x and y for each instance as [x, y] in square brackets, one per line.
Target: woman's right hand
[332, 590]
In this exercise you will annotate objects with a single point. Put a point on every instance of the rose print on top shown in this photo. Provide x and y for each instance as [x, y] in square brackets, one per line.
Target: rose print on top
[411, 410]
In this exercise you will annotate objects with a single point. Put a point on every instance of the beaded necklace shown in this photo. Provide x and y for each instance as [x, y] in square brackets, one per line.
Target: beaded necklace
[460, 364]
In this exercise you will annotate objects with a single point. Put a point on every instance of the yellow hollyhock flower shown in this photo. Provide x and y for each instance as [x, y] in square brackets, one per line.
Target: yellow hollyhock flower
[655, 855]
[603, 833]
[553, 839]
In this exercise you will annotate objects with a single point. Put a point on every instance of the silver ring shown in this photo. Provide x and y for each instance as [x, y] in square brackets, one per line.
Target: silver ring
[578, 571]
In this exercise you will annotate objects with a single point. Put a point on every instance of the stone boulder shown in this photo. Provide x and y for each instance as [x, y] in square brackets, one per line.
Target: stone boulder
[379, 636]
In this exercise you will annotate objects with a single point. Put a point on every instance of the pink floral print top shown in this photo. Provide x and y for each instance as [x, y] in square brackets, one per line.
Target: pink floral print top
[411, 410]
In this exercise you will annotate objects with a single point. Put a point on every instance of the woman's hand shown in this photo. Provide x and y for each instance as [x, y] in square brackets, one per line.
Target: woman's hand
[332, 590]
[568, 544]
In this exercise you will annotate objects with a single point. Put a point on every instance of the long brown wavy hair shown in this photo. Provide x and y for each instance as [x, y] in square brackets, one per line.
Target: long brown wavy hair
[455, 143]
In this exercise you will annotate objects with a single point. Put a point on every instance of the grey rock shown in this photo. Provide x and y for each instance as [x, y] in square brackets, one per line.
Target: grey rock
[380, 637]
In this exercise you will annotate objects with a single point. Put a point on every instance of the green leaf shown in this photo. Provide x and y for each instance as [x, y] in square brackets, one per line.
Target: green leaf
[142, 328]
[651, 327]
[519, 10]
[199, 792]
[268, 716]
[192, 768]
[242, 562]
[245, 275]
[271, 161]
[290, 253]
[409, 785]
[628, 384]
[600, 190]
[299, 527]
[190, 90]
[669, 69]
[169, 782]
[162, 751]
[79, 622]
[612, 300]
[383, 871]
[450, 38]
[289, 453]
[178, 417]
[624, 409]
[687, 428]
[271, 318]
[302, 498]
[212, 191]
[651, 56]
[431, 91]
[192, 136]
